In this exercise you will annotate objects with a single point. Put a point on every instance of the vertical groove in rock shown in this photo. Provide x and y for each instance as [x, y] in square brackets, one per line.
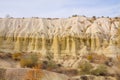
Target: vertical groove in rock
[65, 36]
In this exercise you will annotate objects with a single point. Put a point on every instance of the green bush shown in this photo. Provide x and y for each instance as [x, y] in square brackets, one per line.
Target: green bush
[100, 70]
[85, 68]
[29, 61]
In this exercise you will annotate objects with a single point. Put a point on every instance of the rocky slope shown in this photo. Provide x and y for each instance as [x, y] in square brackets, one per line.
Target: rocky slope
[59, 36]
[26, 74]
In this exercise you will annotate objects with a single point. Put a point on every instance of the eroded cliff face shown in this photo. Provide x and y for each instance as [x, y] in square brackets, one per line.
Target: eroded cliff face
[58, 37]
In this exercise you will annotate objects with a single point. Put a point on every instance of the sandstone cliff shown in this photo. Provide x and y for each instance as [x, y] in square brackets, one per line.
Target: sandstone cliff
[59, 36]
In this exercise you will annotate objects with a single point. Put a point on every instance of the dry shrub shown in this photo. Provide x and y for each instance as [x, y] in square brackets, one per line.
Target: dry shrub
[95, 58]
[85, 68]
[29, 61]
[16, 56]
[49, 65]
[116, 18]
[101, 70]
[74, 15]
[34, 74]
[94, 17]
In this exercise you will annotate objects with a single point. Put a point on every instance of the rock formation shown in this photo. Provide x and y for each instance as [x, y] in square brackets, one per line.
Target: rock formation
[26, 74]
[59, 36]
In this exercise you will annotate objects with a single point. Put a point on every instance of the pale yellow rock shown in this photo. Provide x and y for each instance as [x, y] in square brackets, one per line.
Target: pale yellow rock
[59, 37]
[68, 45]
[44, 49]
[55, 47]
[73, 47]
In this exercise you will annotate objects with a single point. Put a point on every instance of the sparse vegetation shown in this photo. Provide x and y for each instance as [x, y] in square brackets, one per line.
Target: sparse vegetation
[85, 68]
[101, 70]
[16, 56]
[49, 65]
[95, 58]
[74, 15]
[29, 61]
[116, 17]
[74, 46]
[94, 17]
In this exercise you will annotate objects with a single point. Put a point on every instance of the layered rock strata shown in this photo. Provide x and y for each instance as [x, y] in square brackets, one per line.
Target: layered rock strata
[59, 36]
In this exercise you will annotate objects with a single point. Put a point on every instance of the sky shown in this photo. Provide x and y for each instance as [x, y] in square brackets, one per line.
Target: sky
[59, 8]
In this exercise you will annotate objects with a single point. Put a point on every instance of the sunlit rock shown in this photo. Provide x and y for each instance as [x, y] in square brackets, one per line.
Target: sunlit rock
[65, 36]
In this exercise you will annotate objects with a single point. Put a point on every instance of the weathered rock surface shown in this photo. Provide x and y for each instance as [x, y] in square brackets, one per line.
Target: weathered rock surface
[58, 37]
[24, 74]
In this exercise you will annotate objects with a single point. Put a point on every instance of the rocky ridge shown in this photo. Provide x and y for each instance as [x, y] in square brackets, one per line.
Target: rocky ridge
[60, 36]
